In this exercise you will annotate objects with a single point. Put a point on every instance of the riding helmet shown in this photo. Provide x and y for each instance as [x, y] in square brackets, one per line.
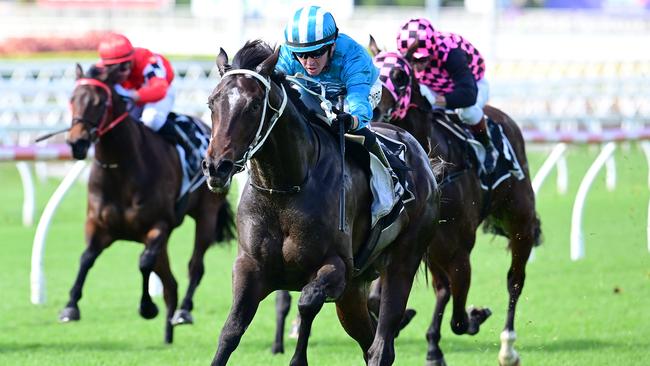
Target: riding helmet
[309, 29]
[417, 30]
[115, 48]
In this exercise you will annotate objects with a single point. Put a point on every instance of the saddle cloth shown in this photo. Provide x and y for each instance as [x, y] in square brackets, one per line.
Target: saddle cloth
[196, 136]
[507, 164]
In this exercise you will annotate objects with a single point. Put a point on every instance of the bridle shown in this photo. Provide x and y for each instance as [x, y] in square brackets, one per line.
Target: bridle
[104, 125]
[260, 137]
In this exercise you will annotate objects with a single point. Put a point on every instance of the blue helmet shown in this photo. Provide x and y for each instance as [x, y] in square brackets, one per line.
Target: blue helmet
[309, 29]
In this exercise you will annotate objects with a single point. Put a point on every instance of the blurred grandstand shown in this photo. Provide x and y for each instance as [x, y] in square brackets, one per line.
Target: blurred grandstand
[586, 67]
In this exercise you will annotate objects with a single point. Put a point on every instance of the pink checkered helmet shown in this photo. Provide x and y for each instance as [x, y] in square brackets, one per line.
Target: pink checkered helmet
[417, 30]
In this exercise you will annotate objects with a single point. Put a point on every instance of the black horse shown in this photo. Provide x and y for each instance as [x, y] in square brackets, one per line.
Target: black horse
[132, 195]
[507, 210]
[288, 215]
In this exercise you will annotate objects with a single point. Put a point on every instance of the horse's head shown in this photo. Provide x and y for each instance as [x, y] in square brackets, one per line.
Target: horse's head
[396, 76]
[92, 106]
[239, 105]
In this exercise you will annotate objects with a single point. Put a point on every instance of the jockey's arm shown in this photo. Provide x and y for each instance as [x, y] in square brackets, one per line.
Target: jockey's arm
[465, 89]
[152, 91]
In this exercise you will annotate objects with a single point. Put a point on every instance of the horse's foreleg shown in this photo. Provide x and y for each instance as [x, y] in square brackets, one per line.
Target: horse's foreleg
[395, 288]
[170, 291]
[460, 273]
[96, 244]
[520, 247]
[156, 238]
[249, 288]
[355, 317]
[329, 283]
[196, 269]
[435, 357]
[282, 305]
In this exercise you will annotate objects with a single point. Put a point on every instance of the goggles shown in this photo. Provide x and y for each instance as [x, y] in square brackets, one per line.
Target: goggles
[312, 54]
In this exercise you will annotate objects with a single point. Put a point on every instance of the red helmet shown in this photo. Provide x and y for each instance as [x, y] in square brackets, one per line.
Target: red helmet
[115, 48]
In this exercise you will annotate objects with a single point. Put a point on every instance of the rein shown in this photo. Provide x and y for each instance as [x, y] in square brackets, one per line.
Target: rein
[104, 126]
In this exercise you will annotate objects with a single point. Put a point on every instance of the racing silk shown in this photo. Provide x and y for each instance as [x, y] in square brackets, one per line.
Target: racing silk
[436, 75]
[150, 76]
[350, 70]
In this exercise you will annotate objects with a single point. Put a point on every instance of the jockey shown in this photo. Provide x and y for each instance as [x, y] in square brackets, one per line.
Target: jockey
[315, 47]
[450, 71]
[145, 78]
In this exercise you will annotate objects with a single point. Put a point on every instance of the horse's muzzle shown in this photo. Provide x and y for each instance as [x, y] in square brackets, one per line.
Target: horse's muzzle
[79, 148]
[219, 175]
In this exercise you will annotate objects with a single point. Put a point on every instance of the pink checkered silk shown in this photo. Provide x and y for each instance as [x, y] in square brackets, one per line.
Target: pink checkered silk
[437, 45]
[386, 62]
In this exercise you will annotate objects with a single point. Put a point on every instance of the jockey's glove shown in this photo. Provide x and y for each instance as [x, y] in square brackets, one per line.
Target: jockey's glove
[345, 119]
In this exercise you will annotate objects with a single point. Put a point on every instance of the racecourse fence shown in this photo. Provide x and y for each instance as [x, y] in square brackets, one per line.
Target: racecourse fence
[555, 103]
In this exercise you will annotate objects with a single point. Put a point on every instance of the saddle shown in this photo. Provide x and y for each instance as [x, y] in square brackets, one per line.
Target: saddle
[387, 208]
[193, 139]
[507, 164]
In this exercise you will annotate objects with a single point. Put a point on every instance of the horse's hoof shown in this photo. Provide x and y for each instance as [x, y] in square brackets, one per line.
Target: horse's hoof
[439, 362]
[476, 317]
[277, 349]
[409, 314]
[516, 361]
[479, 314]
[148, 310]
[69, 314]
[182, 316]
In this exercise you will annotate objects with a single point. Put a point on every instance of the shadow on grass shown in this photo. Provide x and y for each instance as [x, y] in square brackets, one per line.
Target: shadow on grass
[11, 347]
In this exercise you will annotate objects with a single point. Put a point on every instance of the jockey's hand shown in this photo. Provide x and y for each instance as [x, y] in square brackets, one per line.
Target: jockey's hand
[346, 119]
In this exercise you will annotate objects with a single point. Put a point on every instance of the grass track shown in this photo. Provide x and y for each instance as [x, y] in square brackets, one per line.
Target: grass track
[569, 314]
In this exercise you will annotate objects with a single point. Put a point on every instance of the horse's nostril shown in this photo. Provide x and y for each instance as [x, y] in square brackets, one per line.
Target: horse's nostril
[224, 168]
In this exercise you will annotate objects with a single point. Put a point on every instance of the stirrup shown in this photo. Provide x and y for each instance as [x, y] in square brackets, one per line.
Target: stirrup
[491, 158]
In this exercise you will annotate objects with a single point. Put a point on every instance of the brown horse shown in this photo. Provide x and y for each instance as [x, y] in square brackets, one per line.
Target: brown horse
[132, 193]
[288, 215]
[507, 210]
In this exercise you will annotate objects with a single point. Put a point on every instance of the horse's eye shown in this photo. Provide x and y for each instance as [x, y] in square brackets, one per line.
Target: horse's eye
[256, 105]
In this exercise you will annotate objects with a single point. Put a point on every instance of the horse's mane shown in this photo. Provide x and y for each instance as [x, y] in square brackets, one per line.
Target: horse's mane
[252, 54]
[96, 72]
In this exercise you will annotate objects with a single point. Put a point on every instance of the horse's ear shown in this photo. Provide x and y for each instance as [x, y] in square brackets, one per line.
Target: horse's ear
[411, 50]
[372, 45]
[222, 61]
[267, 66]
[79, 71]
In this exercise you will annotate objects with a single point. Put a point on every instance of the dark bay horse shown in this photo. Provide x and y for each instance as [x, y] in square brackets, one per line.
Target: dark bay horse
[508, 210]
[288, 215]
[132, 192]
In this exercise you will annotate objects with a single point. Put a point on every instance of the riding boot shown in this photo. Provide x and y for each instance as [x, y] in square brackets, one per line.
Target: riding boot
[482, 134]
[170, 134]
[376, 150]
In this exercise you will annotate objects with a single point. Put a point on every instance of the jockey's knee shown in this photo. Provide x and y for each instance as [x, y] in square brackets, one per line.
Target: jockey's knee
[154, 119]
[470, 115]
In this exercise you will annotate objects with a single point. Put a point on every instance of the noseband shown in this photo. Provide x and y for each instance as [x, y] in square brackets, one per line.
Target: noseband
[104, 125]
[260, 138]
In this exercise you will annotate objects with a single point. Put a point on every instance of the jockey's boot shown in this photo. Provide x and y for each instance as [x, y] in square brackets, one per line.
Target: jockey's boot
[376, 150]
[169, 132]
[482, 134]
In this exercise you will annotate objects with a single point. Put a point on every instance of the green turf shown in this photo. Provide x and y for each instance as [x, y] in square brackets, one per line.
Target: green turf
[590, 312]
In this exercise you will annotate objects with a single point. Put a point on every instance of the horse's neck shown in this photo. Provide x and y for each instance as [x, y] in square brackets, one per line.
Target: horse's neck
[121, 144]
[419, 119]
[288, 153]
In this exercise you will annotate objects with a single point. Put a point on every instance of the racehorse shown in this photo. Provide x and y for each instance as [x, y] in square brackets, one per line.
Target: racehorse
[288, 213]
[132, 193]
[508, 210]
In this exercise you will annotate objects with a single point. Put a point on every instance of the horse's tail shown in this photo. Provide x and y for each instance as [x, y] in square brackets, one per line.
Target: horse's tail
[537, 232]
[491, 226]
[225, 228]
